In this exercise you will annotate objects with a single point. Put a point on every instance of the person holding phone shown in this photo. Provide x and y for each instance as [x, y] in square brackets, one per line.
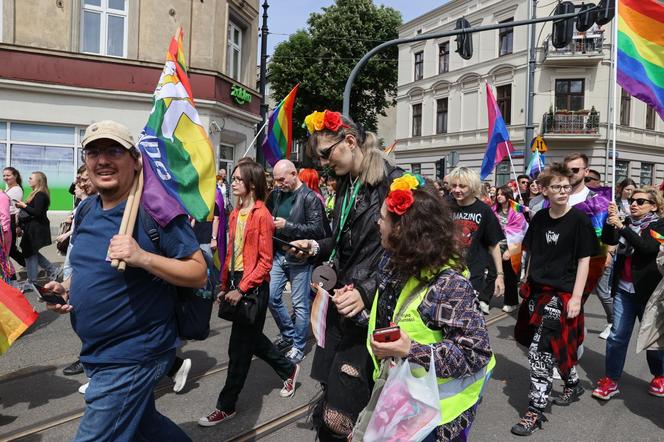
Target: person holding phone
[426, 302]
[351, 254]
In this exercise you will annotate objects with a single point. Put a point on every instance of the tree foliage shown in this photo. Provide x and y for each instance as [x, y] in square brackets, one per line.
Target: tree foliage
[322, 57]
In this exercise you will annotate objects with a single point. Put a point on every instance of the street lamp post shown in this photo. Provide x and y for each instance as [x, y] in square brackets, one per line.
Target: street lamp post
[262, 84]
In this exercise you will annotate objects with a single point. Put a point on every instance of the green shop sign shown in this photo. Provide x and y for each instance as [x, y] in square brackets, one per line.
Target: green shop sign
[240, 94]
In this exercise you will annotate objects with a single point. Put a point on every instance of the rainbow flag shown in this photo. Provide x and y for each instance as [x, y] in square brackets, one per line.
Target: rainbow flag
[518, 207]
[319, 315]
[499, 145]
[657, 236]
[279, 141]
[16, 315]
[178, 159]
[641, 51]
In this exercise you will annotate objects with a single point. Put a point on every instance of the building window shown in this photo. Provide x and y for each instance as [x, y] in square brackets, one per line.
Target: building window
[234, 51]
[104, 27]
[416, 168]
[504, 100]
[441, 116]
[622, 170]
[417, 120]
[570, 94]
[502, 173]
[419, 65]
[444, 57]
[650, 117]
[625, 107]
[505, 39]
[50, 149]
[647, 174]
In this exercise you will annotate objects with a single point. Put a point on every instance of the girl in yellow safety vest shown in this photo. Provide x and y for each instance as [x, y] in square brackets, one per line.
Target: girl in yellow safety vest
[423, 290]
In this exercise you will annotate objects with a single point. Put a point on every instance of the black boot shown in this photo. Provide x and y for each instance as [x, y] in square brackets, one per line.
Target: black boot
[570, 394]
[530, 422]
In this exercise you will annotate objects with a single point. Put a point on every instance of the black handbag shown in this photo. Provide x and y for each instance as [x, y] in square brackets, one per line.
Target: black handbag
[24, 217]
[246, 310]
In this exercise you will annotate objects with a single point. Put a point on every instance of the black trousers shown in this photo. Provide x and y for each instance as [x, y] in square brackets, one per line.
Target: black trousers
[247, 341]
[14, 252]
[511, 284]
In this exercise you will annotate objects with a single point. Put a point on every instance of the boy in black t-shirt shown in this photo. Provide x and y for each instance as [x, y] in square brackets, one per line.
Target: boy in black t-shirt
[560, 241]
[479, 233]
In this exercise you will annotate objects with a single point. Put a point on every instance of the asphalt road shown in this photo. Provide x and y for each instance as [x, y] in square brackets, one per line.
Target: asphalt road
[34, 393]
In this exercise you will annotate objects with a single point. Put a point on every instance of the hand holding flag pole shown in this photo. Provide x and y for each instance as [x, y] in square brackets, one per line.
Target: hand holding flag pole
[130, 214]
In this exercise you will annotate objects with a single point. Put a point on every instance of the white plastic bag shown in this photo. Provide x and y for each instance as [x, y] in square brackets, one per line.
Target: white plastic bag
[408, 408]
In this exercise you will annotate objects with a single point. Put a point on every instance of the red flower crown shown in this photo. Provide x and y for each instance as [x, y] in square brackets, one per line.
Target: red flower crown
[400, 198]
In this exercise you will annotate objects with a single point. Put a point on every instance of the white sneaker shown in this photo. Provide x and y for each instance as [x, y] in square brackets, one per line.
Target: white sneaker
[484, 307]
[180, 377]
[556, 373]
[509, 308]
[83, 388]
[607, 331]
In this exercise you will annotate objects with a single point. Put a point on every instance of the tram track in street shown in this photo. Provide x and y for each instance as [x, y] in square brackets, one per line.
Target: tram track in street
[259, 431]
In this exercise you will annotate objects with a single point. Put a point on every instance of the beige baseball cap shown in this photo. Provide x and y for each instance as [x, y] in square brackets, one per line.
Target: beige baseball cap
[110, 130]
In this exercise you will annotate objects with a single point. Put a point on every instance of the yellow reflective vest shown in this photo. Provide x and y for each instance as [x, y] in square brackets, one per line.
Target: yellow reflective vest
[456, 394]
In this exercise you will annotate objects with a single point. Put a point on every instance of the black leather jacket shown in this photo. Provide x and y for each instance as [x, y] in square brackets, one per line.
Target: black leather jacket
[359, 247]
[307, 218]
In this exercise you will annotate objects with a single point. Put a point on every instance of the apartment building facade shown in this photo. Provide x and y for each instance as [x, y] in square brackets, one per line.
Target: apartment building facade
[68, 63]
[441, 99]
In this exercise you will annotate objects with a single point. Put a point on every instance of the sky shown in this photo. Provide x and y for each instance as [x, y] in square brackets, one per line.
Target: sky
[287, 16]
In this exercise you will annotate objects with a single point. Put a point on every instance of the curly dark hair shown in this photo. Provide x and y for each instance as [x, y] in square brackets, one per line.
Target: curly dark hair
[425, 236]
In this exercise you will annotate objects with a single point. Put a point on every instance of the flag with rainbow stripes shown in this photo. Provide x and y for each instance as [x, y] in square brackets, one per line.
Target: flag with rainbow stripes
[178, 159]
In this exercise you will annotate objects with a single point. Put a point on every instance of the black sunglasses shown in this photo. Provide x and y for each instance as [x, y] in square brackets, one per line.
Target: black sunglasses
[576, 170]
[327, 153]
[589, 179]
[639, 201]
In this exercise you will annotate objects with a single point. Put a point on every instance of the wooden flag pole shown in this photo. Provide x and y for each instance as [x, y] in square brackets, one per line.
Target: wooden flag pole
[130, 213]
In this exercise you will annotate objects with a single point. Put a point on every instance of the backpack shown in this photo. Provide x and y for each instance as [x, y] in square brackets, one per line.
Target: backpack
[193, 307]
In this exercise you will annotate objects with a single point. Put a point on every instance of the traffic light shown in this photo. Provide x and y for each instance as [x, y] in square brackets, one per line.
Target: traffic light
[605, 12]
[586, 18]
[440, 169]
[563, 30]
[464, 40]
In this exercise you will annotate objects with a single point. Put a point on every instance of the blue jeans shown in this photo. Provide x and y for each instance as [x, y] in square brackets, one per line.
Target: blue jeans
[299, 276]
[120, 403]
[625, 311]
[32, 264]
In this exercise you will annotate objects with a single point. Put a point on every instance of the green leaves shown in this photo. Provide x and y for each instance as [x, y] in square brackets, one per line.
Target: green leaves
[322, 57]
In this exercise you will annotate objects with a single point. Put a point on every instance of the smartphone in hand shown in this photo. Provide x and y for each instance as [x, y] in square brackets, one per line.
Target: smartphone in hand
[48, 296]
[387, 334]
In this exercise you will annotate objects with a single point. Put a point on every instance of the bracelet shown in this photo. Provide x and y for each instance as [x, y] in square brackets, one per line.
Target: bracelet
[500, 274]
[214, 238]
[315, 248]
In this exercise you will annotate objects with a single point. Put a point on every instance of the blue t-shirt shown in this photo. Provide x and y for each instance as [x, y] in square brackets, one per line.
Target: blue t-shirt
[123, 317]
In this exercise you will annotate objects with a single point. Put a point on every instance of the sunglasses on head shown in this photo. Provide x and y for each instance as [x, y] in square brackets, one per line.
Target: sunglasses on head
[639, 201]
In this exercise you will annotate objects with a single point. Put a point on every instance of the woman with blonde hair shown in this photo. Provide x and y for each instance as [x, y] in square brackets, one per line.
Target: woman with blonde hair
[352, 253]
[635, 277]
[36, 227]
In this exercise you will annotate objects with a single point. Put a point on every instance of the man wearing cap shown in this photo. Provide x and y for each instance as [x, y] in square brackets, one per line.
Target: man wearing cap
[125, 319]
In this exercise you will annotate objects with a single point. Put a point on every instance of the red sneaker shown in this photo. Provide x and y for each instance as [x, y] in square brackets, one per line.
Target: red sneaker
[656, 387]
[606, 389]
[217, 416]
[289, 384]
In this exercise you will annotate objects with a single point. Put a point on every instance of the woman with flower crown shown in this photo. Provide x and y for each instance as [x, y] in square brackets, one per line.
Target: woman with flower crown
[364, 174]
[422, 289]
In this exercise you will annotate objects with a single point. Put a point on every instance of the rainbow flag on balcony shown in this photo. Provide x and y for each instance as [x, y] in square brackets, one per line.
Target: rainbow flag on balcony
[641, 51]
[279, 140]
[178, 159]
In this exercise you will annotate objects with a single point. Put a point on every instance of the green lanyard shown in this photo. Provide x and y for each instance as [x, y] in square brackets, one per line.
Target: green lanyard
[345, 212]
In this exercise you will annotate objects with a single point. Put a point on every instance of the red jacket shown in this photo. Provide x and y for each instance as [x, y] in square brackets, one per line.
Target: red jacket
[257, 250]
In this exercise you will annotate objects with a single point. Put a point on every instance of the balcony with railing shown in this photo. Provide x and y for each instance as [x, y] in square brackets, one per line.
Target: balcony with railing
[585, 49]
[579, 124]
